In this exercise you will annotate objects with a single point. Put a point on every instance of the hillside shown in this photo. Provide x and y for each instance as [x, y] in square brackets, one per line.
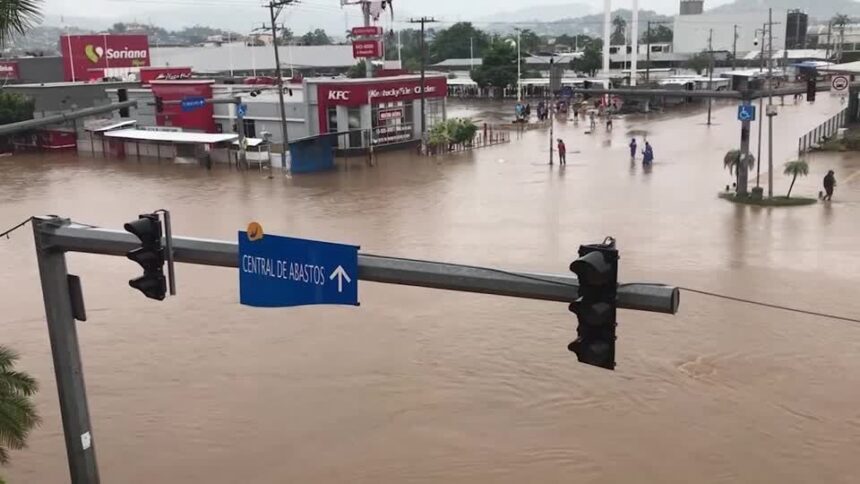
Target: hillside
[818, 9]
[589, 24]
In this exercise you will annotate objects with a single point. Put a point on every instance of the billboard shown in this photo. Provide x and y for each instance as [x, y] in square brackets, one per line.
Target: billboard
[367, 48]
[173, 115]
[368, 31]
[85, 57]
[149, 74]
[9, 70]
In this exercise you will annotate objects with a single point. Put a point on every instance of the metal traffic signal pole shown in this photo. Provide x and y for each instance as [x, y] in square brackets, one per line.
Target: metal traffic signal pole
[55, 236]
[68, 369]
[423, 48]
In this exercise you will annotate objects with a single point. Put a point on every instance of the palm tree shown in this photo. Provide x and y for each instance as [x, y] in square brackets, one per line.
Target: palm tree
[734, 161]
[17, 411]
[794, 168]
[17, 16]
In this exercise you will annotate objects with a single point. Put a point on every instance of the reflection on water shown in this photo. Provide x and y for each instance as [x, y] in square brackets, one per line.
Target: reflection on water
[445, 387]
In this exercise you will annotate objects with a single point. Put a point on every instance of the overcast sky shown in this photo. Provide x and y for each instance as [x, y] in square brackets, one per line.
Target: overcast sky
[241, 13]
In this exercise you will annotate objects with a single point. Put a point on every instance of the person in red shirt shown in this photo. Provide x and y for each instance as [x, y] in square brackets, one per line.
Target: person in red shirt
[562, 152]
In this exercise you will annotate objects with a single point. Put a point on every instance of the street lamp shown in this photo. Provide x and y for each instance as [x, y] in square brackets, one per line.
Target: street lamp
[519, 64]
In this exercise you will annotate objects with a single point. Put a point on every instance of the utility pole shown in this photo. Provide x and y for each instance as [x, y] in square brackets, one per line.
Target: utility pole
[648, 53]
[710, 72]
[280, 4]
[519, 66]
[423, 21]
[760, 111]
[734, 47]
[770, 111]
[368, 63]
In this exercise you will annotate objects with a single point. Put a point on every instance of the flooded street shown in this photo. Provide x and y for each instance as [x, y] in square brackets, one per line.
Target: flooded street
[419, 385]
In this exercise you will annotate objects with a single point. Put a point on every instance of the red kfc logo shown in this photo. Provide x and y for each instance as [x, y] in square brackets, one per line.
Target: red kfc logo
[338, 95]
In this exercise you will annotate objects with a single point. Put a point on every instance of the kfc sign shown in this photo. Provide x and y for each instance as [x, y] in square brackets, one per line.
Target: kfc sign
[9, 70]
[87, 56]
[149, 74]
[367, 48]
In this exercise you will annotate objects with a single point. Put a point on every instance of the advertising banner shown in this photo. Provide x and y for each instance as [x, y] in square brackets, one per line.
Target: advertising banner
[199, 119]
[370, 31]
[367, 48]
[149, 74]
[85, 57]
[9, 70]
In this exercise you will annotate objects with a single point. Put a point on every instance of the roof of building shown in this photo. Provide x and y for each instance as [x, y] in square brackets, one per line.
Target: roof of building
[240, 57]
[365, 80]
[459, 62]
[102, 125]
[847, 68]
[171, 136]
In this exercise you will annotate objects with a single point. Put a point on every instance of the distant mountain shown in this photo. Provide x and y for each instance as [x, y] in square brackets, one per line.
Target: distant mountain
[541, 13]
[818, 9]
[589, 24]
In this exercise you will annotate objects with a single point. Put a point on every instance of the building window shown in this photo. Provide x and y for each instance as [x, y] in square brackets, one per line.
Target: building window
[332, 120]
[250, 128]
[434, 110]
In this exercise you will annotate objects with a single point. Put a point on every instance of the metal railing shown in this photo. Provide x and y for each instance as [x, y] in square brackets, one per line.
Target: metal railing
[822, 132]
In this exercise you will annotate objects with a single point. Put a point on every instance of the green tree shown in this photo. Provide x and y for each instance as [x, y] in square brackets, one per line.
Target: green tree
[590, 61]
[17, 16]
[316, 37]
[286, 35]
[15, 107]
[359, 70]
[458, 42]
[17, 411]
[499, 67]
[531, 42]
[118, 28]
[699, 62]
[619, 31]
[659, 34]
[795, 168]
[410, 48]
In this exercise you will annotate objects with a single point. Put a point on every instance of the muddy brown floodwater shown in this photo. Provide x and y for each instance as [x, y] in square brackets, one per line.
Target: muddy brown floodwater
[419, 385]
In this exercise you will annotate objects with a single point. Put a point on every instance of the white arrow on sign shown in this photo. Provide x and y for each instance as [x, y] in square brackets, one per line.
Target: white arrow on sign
[341, 274]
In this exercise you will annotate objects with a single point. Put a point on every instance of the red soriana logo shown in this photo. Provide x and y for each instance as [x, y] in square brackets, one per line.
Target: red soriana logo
[87, 56]
[9, 70]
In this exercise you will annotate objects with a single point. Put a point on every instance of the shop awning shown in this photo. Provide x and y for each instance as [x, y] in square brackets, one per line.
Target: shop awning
[171, 136]
[103, 125]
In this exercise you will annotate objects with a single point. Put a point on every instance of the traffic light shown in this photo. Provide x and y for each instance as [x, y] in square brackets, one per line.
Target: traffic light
[159, 104]
[810, 90]
[595, 308]
[150, 256]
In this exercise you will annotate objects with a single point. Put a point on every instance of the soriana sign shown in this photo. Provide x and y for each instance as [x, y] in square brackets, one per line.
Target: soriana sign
[366, 48]
[87, 56]
[9, 70]
[149, 74]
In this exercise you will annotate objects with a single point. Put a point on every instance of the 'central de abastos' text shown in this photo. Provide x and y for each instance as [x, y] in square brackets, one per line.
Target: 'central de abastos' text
[282, 269]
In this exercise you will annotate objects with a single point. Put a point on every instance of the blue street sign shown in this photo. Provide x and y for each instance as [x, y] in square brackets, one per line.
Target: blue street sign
[279, 271]
[746, 112]
[242, 110]
[193, 102]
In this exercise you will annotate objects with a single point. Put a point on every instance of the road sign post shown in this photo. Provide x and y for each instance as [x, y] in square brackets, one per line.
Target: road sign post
[192, 103]
[839, 85]
[746, 112]
[279, 271]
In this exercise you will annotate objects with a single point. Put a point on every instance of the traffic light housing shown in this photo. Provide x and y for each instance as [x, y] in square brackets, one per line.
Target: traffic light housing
[810, 90]
[159, 104]
[150, 256]
[596, 305]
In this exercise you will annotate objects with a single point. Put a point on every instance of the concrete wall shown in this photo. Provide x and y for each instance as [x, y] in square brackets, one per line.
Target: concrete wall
[691, 31]
[53, 98]
[40, 69]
